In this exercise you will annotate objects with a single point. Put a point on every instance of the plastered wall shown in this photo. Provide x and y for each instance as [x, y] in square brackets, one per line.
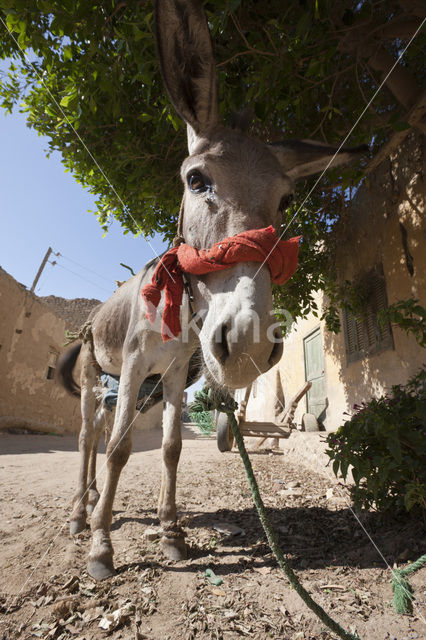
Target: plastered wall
[386, 224]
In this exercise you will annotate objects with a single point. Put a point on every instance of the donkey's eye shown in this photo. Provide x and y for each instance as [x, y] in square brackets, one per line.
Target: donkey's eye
[197, 183]
[285, 202]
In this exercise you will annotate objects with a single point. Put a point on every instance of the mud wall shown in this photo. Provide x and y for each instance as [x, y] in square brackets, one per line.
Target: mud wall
[31, 339]
[32, 334]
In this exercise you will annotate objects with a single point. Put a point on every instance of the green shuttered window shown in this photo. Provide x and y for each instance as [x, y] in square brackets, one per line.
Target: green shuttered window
[364, 335]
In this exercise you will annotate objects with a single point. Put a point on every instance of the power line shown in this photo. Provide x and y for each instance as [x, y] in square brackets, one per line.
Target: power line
[61, 255]
[81, 277]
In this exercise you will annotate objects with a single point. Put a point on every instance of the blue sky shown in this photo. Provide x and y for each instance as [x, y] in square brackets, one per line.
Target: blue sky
[43, 206]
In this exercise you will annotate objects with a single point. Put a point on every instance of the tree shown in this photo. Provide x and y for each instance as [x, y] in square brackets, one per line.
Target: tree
[308, 69]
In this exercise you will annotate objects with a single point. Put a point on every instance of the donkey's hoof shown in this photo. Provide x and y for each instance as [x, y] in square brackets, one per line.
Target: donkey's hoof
[77, 526]
[101, 569]
[174, 548]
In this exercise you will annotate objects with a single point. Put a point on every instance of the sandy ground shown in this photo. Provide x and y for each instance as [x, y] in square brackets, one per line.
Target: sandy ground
[46, 593]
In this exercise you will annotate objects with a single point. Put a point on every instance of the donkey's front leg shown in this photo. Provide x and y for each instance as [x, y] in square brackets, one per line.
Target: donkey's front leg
[100, 563]
[173, 541]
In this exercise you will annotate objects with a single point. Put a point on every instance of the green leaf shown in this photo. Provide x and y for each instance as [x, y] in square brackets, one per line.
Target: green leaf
[67, 53]
[336, 465]
[394, 447]
[11, 21]
[356, 475]
[66, 100]
[50, 111]
[401, 126]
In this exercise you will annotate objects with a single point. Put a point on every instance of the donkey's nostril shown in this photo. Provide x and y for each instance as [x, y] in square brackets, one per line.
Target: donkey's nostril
[219, 347]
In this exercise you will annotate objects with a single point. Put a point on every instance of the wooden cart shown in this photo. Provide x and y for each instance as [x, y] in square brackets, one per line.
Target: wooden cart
[280, 428]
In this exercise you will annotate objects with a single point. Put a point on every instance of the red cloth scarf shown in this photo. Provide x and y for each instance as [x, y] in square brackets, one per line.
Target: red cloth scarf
[257, 245]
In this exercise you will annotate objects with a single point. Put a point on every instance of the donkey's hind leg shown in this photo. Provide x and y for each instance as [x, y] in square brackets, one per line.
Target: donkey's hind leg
[173, 541]
[102, 424]
[100, 563]
[85, 439]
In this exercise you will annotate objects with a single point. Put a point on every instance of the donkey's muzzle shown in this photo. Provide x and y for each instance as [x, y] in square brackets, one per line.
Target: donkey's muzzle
[243, 349]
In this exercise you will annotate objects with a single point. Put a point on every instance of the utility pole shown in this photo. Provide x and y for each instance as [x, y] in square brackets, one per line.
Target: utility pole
[40, 270]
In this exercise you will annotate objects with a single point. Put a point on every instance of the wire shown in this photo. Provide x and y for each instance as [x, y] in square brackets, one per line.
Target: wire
[82, 277]
[61, 255]
[41, 79]
[342, 143]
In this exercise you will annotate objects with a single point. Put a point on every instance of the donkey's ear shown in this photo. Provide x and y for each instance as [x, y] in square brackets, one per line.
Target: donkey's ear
[187, 63]
[304, 158]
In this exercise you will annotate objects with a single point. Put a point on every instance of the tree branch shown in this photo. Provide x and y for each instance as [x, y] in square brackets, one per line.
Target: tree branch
[416, 118]
[400, 82]
[414, 7]
[400, 28]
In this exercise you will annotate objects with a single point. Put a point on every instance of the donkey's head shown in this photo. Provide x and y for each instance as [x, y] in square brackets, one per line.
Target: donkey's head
[233, 183]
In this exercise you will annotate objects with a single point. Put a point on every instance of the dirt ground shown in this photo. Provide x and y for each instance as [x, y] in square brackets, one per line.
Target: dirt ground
[46, 593]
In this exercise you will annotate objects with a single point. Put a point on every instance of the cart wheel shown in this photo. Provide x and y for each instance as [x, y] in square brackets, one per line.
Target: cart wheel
[309, 422]
[224, 436]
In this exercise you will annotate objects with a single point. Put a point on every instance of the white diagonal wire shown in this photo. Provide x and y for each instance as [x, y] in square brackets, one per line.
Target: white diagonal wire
[84, 494]
[40, 77]
[262, 381]
[384, 560]
[343, 142]
[360, 523]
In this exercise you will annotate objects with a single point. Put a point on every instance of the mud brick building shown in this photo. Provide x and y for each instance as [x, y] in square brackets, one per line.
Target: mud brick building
[32, 334]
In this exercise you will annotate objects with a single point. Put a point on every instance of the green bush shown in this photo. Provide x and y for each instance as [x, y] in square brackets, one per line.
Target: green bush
[408, 315]
[385, 443]
[199, 414]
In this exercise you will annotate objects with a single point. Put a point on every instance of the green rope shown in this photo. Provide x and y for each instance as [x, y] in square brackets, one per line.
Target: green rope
[213, 578]
[84, 334]
[403, 595]
[206, 400]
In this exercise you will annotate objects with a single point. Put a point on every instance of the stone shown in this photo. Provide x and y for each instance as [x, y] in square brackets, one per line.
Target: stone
[151, 534]
[291, 493]
[228, 529]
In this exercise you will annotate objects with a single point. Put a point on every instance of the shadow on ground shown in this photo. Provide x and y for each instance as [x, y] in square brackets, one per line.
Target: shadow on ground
[311, 537]
[15, 442]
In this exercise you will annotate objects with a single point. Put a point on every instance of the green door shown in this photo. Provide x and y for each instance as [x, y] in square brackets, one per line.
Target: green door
[316, 401]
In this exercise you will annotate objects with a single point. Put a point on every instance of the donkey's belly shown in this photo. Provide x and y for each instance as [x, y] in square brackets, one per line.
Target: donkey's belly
[109, 359]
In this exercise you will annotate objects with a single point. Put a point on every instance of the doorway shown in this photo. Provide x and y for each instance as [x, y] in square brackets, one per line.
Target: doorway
[316, 400]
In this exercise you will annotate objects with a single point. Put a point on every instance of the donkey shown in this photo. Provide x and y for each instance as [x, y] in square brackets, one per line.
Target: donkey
[232, 184]
[150, 393]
